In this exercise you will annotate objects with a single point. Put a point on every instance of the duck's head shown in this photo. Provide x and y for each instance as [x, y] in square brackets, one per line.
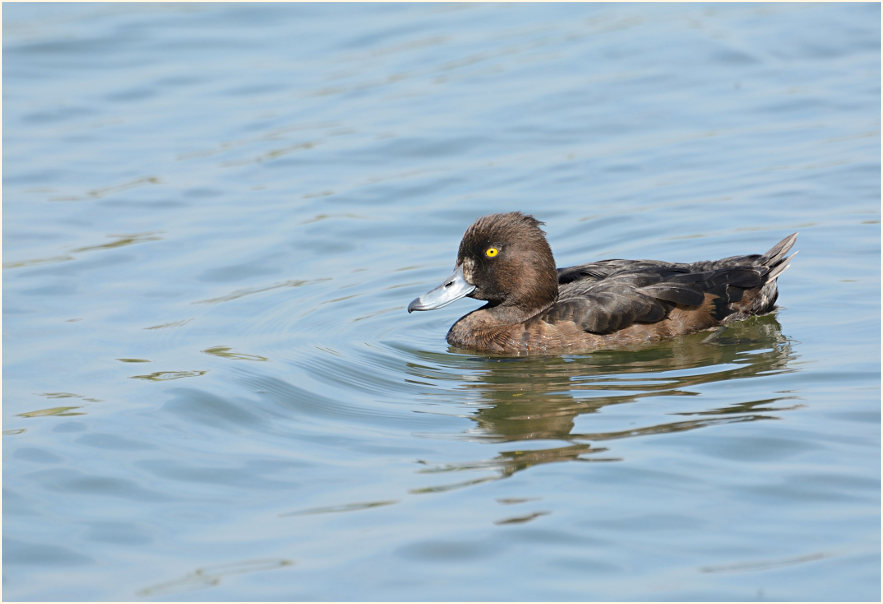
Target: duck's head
[504, 259]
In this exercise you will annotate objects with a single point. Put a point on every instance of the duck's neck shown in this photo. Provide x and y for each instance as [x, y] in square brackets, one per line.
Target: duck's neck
[532, 289]
[512, 314]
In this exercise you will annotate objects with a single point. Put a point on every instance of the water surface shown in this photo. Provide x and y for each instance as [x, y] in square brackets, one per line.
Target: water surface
[215, 215]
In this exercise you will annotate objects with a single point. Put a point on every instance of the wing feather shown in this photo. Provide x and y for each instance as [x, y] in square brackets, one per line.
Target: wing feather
[603, 297]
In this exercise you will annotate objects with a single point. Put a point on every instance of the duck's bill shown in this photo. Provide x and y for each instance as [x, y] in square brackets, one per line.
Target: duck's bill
[453, 288]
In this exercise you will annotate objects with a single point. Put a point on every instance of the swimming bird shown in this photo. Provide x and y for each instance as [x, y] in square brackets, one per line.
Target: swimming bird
[535, 308]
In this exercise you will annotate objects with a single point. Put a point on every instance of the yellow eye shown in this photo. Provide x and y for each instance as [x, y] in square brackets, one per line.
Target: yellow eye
[491, 252]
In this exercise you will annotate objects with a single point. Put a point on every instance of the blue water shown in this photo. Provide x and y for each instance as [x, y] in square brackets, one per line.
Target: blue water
[215, 215]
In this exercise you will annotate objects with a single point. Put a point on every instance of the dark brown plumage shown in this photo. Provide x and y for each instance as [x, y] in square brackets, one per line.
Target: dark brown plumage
[535, 308]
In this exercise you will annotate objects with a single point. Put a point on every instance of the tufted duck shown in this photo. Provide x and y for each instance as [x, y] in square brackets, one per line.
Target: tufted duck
[534, 308]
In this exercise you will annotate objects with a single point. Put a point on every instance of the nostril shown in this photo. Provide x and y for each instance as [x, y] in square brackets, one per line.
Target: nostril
[449, 284]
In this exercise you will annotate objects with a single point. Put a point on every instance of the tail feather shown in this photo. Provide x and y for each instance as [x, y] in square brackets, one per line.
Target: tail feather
[776, 258]
[763, 299]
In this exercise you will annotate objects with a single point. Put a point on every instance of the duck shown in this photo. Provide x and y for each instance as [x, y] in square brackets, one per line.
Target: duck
[532, 307]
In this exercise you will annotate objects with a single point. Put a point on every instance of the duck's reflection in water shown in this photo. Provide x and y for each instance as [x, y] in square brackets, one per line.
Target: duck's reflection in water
[539, 399]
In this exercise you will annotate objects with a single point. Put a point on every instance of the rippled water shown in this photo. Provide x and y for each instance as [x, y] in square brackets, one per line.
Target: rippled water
[216, 214]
